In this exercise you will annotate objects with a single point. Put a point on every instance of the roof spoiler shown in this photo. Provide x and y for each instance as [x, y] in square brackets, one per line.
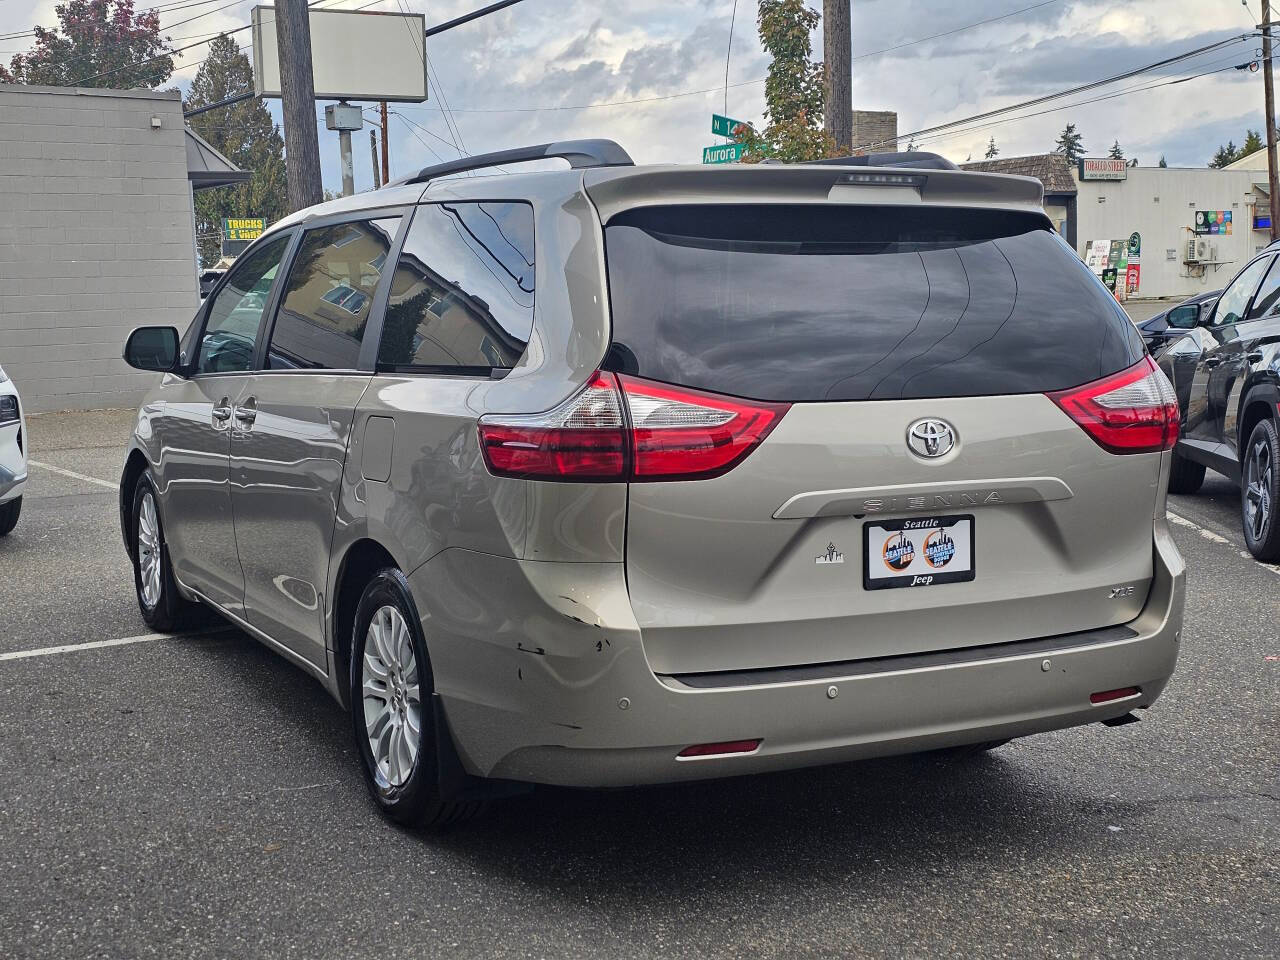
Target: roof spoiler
[579, 153]
[910, 158]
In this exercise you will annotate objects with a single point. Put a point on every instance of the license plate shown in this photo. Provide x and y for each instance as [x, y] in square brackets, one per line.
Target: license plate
[917, 552]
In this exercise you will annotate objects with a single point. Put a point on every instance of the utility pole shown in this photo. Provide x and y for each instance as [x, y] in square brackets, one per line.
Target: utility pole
[373, 150]
[1269, 95]
[298, 95]
[837, 56]
[386, 156]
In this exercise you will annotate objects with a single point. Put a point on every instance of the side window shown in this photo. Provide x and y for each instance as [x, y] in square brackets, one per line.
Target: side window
[325, 306]
[235, 316]
[1267, 302]
[462, 294]
[1234, 300]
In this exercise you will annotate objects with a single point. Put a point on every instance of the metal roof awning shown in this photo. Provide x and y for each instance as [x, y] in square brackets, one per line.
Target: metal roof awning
[207, 168]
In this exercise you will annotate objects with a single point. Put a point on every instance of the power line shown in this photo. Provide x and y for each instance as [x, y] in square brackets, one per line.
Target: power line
[1080, 103]
[1082, 88]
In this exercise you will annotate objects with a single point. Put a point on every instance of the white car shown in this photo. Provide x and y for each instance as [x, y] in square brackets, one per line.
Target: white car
[13, 454]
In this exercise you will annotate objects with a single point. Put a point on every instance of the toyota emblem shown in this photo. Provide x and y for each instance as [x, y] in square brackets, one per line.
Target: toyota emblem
[931, 438]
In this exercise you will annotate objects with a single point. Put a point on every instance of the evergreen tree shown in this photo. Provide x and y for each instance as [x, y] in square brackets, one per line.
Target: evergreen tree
[246, 135]
[793, 92]
[1225, 155]
[1163, 162]
[97, 43]
[992, 150]
[1116, 153]
[1253, 142]
[1070, 143]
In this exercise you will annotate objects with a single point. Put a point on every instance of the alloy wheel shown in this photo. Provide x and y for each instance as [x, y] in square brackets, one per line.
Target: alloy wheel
[392, 698]
[1257, 493]
[149, 550]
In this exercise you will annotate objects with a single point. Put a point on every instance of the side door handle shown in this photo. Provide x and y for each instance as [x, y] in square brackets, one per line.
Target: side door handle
[1254, 356]
[247, 412]
[1211, 362]
[222, 412]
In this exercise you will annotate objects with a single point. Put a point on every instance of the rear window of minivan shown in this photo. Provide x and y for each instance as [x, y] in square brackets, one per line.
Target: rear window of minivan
[824, 302]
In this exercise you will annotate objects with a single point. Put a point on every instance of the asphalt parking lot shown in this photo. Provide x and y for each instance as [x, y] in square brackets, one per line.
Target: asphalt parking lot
[197, 796]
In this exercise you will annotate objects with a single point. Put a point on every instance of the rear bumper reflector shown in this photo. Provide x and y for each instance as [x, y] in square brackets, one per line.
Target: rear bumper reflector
[1106, 696]
[704, 750]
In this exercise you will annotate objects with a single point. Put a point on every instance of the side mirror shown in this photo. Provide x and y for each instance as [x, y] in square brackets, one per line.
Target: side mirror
[152, 348]
[1184, 317]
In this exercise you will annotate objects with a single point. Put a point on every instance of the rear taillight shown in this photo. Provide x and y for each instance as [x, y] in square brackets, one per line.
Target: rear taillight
[627, 429]
[1133, 411]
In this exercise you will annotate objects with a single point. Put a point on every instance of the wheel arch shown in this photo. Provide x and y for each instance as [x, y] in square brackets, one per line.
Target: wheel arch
[1260, 401]
[134, 467]
[360, 561]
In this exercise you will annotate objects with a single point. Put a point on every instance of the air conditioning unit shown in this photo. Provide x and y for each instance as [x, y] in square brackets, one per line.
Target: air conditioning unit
[1204, 251]
[1193, 251]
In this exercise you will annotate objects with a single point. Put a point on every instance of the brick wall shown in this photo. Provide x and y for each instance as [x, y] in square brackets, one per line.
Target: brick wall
[95, 239]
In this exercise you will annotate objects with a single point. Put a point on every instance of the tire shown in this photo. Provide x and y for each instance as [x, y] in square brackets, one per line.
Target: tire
[162, 607]
[391, 688]
[1259, 494]
[1185, 476]
[9, 513]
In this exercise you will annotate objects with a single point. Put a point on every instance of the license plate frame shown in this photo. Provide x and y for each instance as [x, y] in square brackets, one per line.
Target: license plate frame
[918, 571]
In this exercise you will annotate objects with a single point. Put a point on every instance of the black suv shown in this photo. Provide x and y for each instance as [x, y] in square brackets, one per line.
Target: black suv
[1226, 371]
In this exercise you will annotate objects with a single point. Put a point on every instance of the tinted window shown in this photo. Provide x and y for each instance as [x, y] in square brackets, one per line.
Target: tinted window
[462, 293]
[1234, 299]
[851, 303]
[231, 330]
[325, 306]
[1267, 301]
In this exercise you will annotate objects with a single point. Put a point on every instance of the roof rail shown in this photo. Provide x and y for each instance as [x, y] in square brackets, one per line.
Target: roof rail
[911, 158]
[579, 153]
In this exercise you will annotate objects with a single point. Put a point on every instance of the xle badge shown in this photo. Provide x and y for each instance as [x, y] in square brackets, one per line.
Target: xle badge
[831, 556]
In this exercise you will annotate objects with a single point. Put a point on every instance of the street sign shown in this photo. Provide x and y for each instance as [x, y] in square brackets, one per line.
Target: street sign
[727, 153]
[723, 126]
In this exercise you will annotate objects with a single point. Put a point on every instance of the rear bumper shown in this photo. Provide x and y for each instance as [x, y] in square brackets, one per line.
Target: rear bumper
[553, 687]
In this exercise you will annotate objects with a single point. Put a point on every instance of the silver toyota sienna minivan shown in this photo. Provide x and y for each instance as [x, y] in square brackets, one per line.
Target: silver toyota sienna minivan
[632, 474]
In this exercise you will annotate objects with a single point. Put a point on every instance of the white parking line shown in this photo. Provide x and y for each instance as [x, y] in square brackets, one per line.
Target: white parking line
[1207, 534]
[73, 475]
[1218, 538]
[89, 645]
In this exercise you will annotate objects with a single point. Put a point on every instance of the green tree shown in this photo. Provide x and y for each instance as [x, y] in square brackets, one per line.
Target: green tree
[1116, 152]
[1163, 162]
[246, 135]
[1252, 143]
[992, 150]
[98, 43]
[1225, 155]
[1070, 143]
[793, 92]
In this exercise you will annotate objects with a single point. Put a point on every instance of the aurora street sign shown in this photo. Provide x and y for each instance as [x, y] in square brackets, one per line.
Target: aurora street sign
[725, 153]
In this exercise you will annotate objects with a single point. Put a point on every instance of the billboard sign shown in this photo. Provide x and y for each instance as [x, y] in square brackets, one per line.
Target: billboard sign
[355, 55]
[1103, 169]
[239, 232]
[1213, 222]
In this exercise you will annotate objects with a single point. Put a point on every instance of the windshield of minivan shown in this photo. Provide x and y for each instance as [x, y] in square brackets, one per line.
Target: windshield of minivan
[824, 302]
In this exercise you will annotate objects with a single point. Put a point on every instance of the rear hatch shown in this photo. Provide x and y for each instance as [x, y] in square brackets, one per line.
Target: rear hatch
[926, 486]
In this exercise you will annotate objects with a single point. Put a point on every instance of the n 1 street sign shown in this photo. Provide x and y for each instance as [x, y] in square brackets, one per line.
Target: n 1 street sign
[728, 153]
[723, 126]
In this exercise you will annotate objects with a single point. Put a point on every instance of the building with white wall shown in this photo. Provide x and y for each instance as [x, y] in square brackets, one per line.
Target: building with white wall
[1194, 225]
[97, 236]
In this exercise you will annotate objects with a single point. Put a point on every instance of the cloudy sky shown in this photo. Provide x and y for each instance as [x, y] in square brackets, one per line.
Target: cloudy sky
[534, 71]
